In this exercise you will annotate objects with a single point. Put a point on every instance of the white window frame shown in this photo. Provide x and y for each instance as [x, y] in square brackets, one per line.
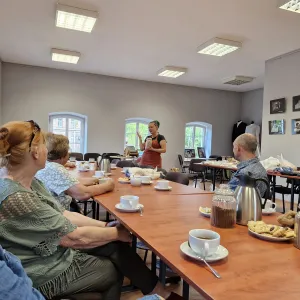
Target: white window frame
[138, 121]
[69, 115]
[197, 125]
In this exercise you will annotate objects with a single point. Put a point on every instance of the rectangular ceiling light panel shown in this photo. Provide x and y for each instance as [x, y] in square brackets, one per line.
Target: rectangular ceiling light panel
[65, 56]
[293, 5]
[218, 47]
[172, 72]
[238, 80]
[75, 18]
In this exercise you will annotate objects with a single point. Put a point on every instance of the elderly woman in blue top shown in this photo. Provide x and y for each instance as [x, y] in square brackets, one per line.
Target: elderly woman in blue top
[244, 148]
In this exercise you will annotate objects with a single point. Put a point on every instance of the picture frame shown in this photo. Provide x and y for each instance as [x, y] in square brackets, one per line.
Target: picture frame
[295, 126]
[296, 103]
[276, 127]
[278, 106]
[189, 153]
[201, 152]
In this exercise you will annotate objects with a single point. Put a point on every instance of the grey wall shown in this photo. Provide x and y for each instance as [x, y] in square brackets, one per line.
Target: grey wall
[33, 93]
[281, 81]
[0, 91]
[252, 106]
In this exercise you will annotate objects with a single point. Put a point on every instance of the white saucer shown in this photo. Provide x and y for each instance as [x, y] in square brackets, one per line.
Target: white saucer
[121, 181]
[147, 183]
[269, 211]
[84, 170]
[94, 176]
[120, 208]
[204, 213]
[160, 189]
[221, 253]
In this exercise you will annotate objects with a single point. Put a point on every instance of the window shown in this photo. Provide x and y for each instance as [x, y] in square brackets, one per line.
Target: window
[131, 128]
[71, 125]
[198, 134]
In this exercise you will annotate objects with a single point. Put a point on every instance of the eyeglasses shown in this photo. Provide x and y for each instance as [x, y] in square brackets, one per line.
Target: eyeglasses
[36, 128]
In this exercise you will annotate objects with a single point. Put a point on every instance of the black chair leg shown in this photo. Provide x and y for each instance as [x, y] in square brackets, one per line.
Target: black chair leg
[203, 180]
[85, 208]
[145, 256]
[196, 180]
[94, 209]
[283, 203]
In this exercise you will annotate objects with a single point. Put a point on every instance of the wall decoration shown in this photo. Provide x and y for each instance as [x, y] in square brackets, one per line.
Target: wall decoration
[296, 126]
[189, 153]
[201, 152]
[277, 127]
[277, 106]
[296, 103]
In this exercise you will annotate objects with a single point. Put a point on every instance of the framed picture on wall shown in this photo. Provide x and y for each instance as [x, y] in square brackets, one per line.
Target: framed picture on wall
[277, 127]
[201, 152]
[277, 106]
[189, 153]
[296, 126]
[296, 103]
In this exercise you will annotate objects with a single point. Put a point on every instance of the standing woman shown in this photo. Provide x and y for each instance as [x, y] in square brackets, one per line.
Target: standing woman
[152, 151]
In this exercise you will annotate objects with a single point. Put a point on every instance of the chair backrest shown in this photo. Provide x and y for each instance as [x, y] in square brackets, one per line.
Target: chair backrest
[145, 167]
[195, 167]
[125, 163]
[77, 155]
[180, 160]
[87, 156]
[216, 157]
[178, 177]
[108, 155]
[115, 160]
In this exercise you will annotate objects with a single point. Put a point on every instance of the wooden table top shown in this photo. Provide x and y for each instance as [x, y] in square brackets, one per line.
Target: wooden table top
[254, 269]
[218, 166]
[128, 189]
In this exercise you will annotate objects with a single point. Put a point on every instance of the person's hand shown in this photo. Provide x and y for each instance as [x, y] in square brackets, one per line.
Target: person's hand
[123, 234]
[139, 135]
[151, 149]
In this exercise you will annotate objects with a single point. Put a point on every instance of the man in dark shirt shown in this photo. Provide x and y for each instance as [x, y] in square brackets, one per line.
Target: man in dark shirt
[244, 148]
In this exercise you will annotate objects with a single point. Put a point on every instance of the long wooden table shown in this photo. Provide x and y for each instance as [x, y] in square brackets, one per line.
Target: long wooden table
[254, 269]
[272, 178]
[127, 188]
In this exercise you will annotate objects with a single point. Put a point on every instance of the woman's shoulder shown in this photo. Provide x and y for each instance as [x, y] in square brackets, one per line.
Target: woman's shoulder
[160, 137]
[9, 187]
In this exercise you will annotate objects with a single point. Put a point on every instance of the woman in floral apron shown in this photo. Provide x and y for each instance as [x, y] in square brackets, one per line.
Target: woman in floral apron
[153, 146]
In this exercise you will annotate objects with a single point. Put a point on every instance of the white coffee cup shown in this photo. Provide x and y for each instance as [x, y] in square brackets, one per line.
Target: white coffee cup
[204, 242]
[136, 181]
[72, 159]
[129, 201]
[91, 159]
[99, 174]
[163, 184]
[270, 205]
[113, 166]
[146, 179]
[83, 167]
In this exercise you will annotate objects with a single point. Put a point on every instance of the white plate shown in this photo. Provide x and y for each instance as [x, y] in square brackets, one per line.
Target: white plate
[221, 253]
[120, 208]
[147, 183]
[120, 181]
[85, 170]
[269, 211]
[203, 213]
[160, 189]
[268, 237]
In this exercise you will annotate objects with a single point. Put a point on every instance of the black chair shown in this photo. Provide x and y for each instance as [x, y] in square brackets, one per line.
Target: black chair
[125, 163]
[77, 155]
[287, 190]
[108, 155]
[145, 167]
[181, 163]
[197, 171]
[216, 157]
[115, 160]
[87, 156]
[178, 177]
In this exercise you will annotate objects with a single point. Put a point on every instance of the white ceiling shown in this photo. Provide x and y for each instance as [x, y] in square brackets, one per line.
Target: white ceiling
[136, 38]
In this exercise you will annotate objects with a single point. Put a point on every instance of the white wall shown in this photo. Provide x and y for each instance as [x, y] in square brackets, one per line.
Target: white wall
[33, 93]
[281, 80]
[252, 106]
